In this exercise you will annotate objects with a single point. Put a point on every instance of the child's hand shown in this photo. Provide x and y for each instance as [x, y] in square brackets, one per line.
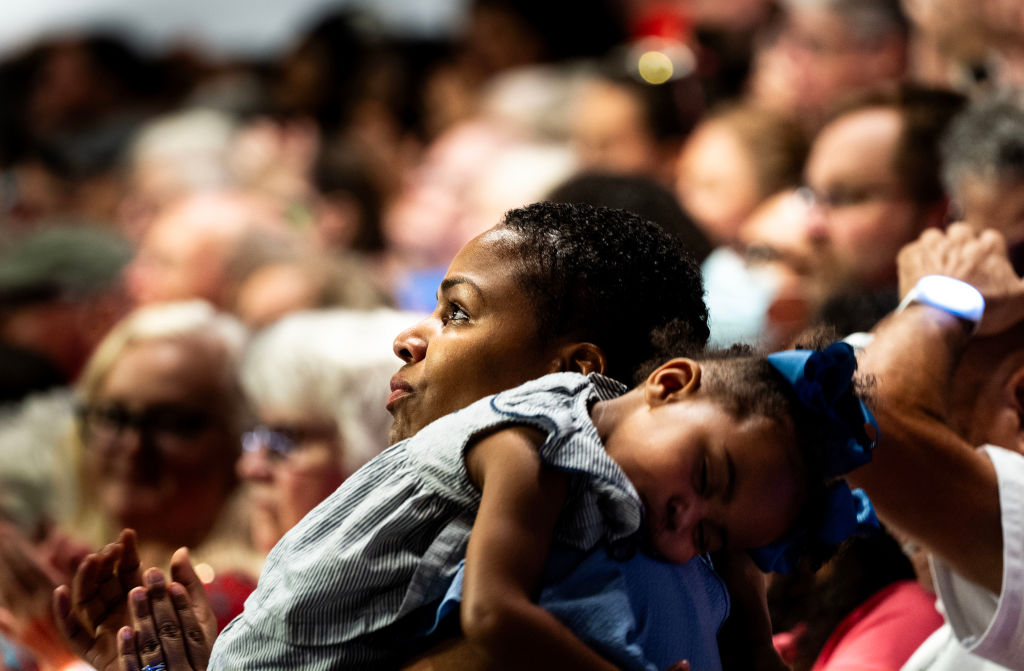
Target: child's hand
[681, 665]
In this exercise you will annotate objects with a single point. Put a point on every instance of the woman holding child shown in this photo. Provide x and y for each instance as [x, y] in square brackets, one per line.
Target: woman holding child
[555, 345]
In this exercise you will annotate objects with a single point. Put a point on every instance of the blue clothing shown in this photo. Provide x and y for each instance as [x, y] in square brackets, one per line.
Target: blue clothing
[357, 581]
[640, 613]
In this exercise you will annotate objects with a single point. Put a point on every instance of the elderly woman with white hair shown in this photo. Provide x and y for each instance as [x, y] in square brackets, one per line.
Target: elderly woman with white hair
[318, 382]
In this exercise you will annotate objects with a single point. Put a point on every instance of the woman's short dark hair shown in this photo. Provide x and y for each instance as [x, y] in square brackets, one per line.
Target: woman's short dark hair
[609, 277]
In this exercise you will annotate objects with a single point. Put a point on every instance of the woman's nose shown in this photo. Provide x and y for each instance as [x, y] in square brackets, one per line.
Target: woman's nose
[410, 346]
[254, 465]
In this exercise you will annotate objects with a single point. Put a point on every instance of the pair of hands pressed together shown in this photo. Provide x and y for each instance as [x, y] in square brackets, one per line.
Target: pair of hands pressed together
[116, 617]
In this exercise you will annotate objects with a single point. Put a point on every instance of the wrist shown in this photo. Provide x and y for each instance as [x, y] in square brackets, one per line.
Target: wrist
[949, 295]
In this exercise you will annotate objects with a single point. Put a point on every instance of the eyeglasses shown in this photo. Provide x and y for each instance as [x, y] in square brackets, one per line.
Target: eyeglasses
[844, 196]
[282, 441]
[168, 426]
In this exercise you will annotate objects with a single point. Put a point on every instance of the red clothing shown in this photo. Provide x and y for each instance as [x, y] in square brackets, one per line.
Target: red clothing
[227, 594]
[881, 633]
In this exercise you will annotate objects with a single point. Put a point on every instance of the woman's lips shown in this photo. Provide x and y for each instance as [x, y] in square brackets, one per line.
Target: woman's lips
[399, 389]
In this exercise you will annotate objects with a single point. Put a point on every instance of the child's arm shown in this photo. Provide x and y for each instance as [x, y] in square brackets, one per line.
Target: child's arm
[520, 503]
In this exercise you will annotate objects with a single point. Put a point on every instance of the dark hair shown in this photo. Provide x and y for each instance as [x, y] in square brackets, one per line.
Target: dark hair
[341, 169]
[821, 600]
[608, 277]
[641, 195]
[776, 144]
[746, 384]
[925, 114]
[557, 25]
[871, 20]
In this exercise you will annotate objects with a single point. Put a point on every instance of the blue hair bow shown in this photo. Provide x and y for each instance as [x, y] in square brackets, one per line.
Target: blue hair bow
[822, 382]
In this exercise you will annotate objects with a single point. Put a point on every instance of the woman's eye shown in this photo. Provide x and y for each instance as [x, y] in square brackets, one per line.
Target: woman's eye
[455, 313]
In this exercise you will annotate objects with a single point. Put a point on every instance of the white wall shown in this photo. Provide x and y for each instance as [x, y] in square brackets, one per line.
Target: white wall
[220, 27]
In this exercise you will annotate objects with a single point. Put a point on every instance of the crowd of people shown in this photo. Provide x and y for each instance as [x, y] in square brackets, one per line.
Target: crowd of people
[620, 334]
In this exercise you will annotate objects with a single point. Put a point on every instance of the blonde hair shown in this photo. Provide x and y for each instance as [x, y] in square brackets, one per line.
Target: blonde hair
[194, 321]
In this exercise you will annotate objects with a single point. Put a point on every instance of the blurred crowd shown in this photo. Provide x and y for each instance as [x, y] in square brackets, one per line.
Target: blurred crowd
[203, 263]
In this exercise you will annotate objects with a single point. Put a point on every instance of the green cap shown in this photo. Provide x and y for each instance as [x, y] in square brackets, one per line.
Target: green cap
[61, 260]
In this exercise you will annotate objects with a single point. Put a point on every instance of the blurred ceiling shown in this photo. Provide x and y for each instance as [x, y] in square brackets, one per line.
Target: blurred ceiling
[220, 28]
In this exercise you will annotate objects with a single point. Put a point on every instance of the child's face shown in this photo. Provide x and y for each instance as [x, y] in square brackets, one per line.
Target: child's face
[708, 481]
[480, 339]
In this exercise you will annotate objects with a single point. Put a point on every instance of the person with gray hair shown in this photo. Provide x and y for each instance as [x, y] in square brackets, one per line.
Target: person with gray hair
[983, 169]
[318, 382]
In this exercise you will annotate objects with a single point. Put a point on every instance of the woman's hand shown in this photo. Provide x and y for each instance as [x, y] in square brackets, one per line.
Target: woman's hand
[25, 586]
[165, 632]
[90, 612]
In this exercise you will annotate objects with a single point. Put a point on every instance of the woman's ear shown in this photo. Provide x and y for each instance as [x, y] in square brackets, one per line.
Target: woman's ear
[672, 381]
[579, 357]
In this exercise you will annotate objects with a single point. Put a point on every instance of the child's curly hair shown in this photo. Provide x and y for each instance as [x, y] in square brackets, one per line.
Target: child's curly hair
[746, 384]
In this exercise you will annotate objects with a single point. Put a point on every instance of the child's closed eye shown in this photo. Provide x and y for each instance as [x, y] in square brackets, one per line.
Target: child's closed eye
[702, 477]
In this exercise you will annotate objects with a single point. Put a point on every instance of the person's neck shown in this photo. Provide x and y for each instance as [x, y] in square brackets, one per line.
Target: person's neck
[608, 415]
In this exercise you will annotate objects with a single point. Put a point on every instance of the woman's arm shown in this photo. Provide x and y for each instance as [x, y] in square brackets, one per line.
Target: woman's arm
[520, 504]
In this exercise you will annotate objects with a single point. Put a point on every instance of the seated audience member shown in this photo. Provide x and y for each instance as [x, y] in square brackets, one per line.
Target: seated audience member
[186, 251]
[973, 46]
[32, 562]
[735, 158]
[161, 415]
[928, 479]
[61, 290]
[306, 281]
[625, 125]
[983, 169]
[347, 214]
[637, 194]
[827, 51]
[174, 155]
[317, 382]
[771, 293]
[36, 554]
[864, 609]
[872, 183]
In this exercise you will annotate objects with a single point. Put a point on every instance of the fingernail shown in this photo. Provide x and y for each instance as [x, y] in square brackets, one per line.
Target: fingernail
[138, 595]
[125, 633]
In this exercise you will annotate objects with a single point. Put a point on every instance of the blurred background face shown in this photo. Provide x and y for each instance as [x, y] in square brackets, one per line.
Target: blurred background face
[157, 446]
[609, 131]
[861, 213]
[717, 182]
[290, 462]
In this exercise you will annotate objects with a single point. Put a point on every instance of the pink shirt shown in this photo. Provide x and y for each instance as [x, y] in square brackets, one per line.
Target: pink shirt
[881, 633]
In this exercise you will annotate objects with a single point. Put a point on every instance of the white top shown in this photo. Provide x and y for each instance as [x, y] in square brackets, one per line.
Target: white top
[980, 625]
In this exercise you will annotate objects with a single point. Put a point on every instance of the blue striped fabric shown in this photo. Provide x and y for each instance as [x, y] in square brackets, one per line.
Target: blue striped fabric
[351, 586]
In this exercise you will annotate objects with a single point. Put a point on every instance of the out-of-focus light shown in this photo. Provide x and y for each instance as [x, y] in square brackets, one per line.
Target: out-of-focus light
[205, 573]
[655, 60]
[655, 67]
